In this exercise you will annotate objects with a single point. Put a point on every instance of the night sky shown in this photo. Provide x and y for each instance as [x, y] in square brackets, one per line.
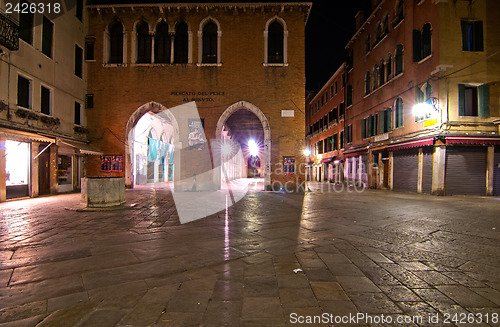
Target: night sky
[329, 28]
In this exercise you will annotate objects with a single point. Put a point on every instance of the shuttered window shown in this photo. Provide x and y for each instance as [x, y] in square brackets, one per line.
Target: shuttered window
[399, 59]
[398, 113]
[474, 101]
[472, 35]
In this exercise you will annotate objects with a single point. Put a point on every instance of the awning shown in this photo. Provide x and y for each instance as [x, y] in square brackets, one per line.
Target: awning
[473, 140]
[411, 144]
[21, 136]
[83, 147]
[355, 153]
[325, 160]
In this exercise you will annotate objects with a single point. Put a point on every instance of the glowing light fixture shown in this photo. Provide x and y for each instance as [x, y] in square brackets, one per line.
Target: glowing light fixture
[253, 148]
[426, 109]
[422, 109]
[306, 152]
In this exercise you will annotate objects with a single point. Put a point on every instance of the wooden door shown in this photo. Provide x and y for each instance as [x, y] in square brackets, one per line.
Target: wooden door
[44, 170]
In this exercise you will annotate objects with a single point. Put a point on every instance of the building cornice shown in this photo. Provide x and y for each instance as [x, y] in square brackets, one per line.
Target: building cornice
[325, 86]
[207, 6]
[367, 22]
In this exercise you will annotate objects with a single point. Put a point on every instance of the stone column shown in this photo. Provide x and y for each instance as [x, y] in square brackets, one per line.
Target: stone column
[53, 169]
[380, 172]
[439, 169]
[34, 187]
[420, 169]
[391, 171]
[490, 167]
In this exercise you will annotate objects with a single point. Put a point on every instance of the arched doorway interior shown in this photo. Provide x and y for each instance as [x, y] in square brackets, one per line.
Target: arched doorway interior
[241, 116]
[150, 139]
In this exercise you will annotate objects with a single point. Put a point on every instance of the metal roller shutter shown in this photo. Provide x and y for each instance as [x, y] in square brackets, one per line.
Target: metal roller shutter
[406, 170]
[427, 177]
[496, 172]
[466, 170]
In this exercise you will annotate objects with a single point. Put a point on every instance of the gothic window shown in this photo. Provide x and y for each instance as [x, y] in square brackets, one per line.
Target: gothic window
[162, 43]
[143, 43]
[275, 43]
[209, 55]
[181, 43]
[116, 43]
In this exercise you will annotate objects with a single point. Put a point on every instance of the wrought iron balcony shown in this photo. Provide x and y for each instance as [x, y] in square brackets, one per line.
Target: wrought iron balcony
[9, 32]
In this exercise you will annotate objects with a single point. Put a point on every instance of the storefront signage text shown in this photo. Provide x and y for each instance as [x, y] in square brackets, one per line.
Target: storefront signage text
[200, 96]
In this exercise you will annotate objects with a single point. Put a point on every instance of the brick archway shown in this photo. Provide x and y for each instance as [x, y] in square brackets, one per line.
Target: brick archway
[265, 126]
[154, 107]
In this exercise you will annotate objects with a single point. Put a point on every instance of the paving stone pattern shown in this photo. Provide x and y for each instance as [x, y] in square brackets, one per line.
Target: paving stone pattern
[266, 259]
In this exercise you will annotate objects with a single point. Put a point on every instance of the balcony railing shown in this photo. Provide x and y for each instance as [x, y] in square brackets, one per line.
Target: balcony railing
[9, 32]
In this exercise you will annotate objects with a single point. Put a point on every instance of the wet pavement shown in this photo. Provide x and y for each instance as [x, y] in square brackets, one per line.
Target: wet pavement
[372, 258]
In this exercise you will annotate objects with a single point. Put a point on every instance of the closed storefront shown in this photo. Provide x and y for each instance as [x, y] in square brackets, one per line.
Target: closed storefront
[406, 170]
[466, 170]
[427, 171]
[496, 172]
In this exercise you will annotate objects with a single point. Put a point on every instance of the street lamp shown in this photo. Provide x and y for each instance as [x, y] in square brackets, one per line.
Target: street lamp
[427, 108]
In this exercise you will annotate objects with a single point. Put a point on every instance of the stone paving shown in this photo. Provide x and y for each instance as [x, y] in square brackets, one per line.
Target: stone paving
[272, 259]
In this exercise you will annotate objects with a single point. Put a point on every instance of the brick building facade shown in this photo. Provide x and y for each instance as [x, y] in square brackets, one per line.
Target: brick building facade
[224, 57]
[425, 101]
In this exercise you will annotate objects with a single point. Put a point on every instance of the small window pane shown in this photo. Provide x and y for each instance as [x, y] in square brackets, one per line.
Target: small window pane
[78, 113]
[23, 92]
[78, 61]
[47, 36]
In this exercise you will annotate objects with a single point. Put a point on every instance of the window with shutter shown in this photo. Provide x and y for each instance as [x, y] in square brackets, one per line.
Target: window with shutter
[399, 59]
[472, 35]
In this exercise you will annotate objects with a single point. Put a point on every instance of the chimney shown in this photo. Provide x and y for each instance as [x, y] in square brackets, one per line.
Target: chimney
[360, 19]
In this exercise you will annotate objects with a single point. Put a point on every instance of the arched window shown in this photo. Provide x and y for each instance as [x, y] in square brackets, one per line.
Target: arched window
[375, 77]
[209, 39]
[399, 60]
[162, 43]
[385, 25]
[381, 72]
[389, 67]
[426, 40]
[367, 43]
[422, 43]
[275, 42]
[143, 43]
[419, 95]
[428, 91]
[398, 113]
[181, 43]
[115, 42]
[367, 82]
[398, 12]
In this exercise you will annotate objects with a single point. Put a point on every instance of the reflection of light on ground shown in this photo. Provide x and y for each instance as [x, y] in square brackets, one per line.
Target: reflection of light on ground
[226, 231]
